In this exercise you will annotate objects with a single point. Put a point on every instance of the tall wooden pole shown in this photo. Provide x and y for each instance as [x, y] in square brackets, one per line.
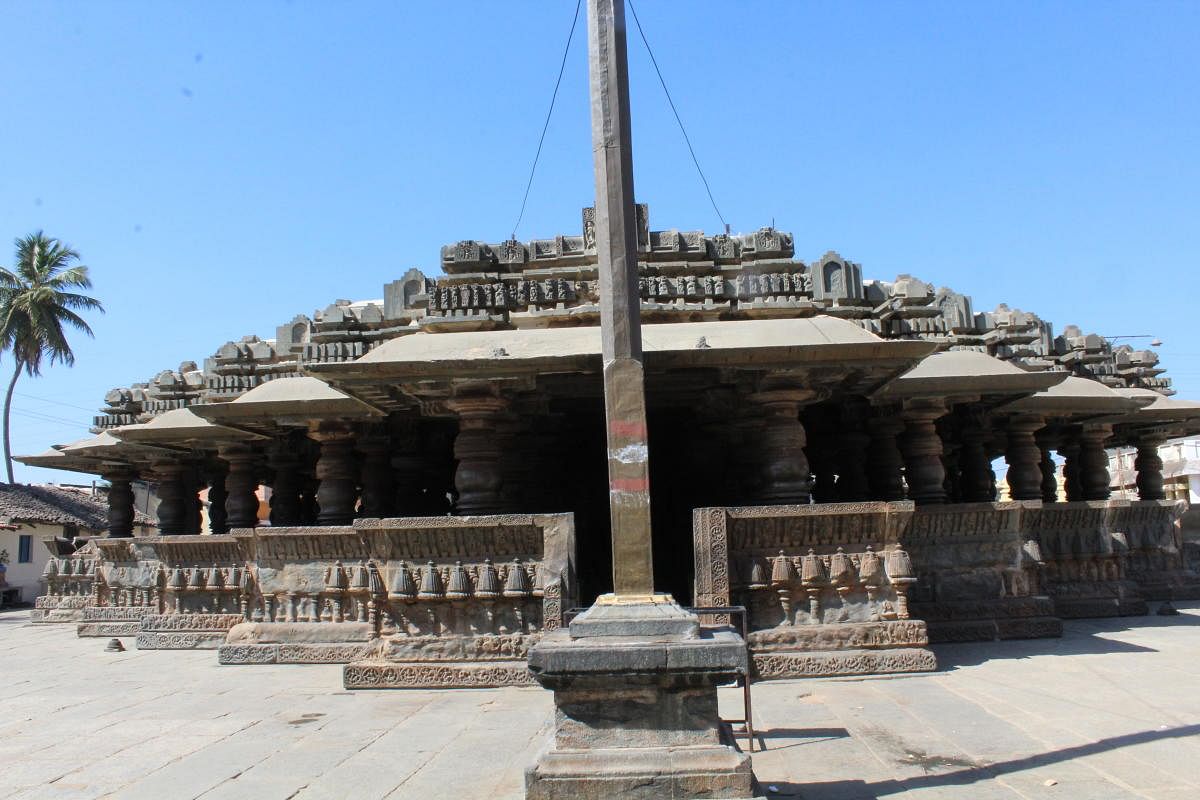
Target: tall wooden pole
[620, 303]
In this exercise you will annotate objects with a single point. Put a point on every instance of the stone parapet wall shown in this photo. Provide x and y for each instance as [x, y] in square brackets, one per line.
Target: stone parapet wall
[410, 600]
[188, 590]
[825, 586]
[466, 597]
[979, 573]
[820, 581]
[1155, 558]
[68, 586]
[1085, 556]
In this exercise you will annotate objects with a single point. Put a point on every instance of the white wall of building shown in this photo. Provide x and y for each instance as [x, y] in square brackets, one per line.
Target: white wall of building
[28, 576]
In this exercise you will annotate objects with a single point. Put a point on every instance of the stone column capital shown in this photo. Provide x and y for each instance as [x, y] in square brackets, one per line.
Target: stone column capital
[331, 431]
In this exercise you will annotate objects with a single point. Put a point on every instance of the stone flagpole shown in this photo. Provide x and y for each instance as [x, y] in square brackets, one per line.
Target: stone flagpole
[620, 306]
[634, 677]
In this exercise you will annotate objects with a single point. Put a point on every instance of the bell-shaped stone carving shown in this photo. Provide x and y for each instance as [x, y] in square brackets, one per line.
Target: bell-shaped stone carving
[517, 582]
[899, 566]
[841, 570]
[783, 572]
[233, 576]
[66, 568]
[196, 578]
[402, 587]
[900, 571]
[247, 581]
[459, 586]
[1033, 551]
[487, 587]
[870, 570]
[215, 580]
[758, 575]
[812, 570]
[374, 579]
[51, 569]
[431, 584]
[358, 578]
[336, 577]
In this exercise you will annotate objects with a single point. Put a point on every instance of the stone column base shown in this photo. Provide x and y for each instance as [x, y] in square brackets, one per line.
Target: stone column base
[54, 610]
[635, 695]
[645, 774]
[297, 643]
[185, 631]
[109, 621]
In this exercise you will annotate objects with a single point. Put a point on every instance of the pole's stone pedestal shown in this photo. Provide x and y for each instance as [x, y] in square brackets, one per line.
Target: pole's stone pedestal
[635, 695]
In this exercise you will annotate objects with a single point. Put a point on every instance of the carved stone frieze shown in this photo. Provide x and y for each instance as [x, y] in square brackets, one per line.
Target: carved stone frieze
[383, 675]
[852, 662]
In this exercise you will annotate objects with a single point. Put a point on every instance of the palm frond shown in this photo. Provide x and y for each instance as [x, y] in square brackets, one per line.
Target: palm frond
[36, 302]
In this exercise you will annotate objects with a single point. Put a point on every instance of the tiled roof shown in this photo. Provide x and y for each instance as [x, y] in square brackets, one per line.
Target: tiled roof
[56, 505]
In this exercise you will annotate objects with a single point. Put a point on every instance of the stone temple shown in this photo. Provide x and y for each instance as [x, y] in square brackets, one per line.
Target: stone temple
[821, 451]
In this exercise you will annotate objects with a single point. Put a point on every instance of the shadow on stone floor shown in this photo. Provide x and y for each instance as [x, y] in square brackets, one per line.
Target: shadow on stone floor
[954, 656]
[1080, 637]
[862, 790]
[809, 735]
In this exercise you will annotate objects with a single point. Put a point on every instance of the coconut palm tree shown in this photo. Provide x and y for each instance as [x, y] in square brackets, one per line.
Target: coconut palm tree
[37, 301]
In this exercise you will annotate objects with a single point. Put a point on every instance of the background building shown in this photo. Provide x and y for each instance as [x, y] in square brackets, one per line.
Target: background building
[29, 515]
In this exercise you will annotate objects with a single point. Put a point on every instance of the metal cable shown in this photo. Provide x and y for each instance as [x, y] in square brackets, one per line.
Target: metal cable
[546, 124]
[682, 130]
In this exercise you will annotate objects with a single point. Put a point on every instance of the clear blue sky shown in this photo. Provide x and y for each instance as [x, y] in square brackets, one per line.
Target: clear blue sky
[224, 166]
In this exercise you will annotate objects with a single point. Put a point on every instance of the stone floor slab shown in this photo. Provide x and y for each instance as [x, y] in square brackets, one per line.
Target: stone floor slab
[1111, 710]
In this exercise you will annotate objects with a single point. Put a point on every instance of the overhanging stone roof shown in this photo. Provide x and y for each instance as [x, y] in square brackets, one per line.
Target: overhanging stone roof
[1078, 397]
[966, 374]
[749, 343]
[179, 426]
[287, 401]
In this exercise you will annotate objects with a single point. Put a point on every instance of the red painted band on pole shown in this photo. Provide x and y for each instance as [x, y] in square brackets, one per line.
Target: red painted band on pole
[632, 430]
[629, 484]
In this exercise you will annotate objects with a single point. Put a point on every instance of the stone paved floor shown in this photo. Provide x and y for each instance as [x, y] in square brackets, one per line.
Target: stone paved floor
[1110, 711]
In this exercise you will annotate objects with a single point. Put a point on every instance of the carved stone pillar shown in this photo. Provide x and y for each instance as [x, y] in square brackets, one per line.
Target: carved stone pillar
[120, 501]
[309, 486]
[976, 484]
[748, 480]
[172, 498]
[1070, 451]
[783, 467]
[193, 483]
[546, 465]
[853, 483]
[378, 484]
[821, 451]
[218, 520]
[407, 468]
[1024, 457]
[241, 506]
[1149, 468]
[1047, 441]
[922, 448]
[438, 467]
[337, 473]
[948, 432]
[885, 464]
[477, 447]
[516, 463]
[1093, 473]
[286, 484]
